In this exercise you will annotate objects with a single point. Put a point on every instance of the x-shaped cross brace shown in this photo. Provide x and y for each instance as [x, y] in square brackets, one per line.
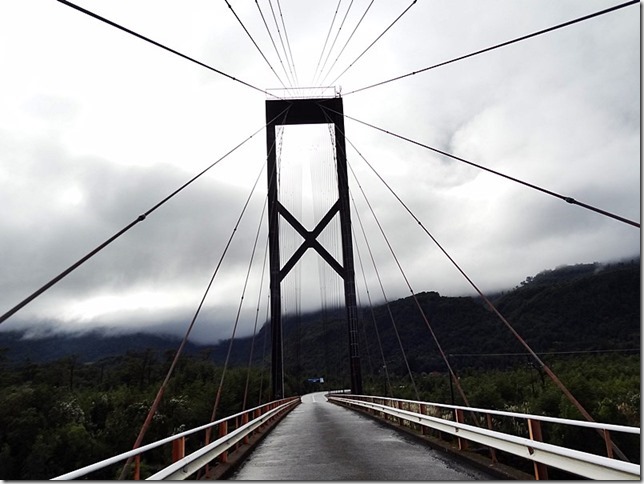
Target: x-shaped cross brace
[310, 240]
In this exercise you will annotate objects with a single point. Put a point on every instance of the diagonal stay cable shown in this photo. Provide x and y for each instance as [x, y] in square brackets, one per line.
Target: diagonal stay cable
[347, 42]
[565, 198]
[453, 376]
[159, 396]
[493, 308]
[255, 43]
[373, 314]
[315, 74]
[239, 308]
[335, 39]
[288, 43]
[391, 315]
[497, 46]
[279, 56]
[372, 43]
[361, 316]
[384, 294]
[125, 229]
[158, 44]
[279, 33]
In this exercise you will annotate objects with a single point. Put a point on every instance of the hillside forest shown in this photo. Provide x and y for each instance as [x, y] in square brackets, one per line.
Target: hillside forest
[61, 411]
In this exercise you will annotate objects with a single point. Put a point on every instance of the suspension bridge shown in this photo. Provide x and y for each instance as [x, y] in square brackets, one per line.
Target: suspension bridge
[314, 224]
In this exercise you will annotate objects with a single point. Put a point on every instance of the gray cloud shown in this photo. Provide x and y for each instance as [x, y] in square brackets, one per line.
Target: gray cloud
[95, 132]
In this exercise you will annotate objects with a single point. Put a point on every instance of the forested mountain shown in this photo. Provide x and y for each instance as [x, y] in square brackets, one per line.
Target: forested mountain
[68, 402]
[588, 307]
[585, 307]
[87, 347]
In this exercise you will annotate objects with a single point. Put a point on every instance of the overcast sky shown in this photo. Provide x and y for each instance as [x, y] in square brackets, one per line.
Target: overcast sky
[97, 126]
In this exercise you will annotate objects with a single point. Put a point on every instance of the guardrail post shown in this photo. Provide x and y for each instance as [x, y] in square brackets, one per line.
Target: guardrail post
[460, 418]
[534, 430]
[178, 449]
[244, 422]
[223, 431]
[491, 427]
[257, 414]
[609, 444]
[423, 410]
[137, 468]
[236, 446]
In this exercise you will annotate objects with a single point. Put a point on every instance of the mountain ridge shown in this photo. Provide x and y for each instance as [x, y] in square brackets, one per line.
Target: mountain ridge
[597, 302]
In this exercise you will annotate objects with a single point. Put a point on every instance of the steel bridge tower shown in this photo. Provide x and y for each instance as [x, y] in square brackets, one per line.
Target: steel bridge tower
[298, 112]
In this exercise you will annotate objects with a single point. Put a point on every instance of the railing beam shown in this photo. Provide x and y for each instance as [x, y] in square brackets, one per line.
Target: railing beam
[581, 463]
[282, 405]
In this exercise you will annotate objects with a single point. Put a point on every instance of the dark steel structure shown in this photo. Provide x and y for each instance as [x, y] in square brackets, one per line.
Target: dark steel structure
[309, 111]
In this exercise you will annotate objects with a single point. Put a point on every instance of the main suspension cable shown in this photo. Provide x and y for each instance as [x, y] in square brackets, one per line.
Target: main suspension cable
[565, 198]
[372, 43]
[497, 46]
[164, 47]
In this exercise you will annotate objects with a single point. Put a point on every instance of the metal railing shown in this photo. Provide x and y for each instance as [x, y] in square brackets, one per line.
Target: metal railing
[292, 93]
[450, 419]
[230, 431]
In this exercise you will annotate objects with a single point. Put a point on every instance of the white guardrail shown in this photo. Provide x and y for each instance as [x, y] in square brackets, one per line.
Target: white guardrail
[188, 465]
[584, 464]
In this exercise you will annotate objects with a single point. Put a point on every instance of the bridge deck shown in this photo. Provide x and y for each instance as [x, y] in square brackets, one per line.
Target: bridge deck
[321, 441]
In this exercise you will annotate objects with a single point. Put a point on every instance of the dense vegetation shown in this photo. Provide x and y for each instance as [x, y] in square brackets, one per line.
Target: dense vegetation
[572, 309]
[58, 415]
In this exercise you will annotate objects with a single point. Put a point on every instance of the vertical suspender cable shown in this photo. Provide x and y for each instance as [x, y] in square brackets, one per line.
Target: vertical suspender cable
[259, 300]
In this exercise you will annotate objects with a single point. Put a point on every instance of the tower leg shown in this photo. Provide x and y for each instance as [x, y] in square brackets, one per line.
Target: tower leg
[309, 111]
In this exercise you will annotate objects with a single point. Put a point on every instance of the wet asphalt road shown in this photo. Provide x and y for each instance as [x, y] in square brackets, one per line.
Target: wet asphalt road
[322, 441]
